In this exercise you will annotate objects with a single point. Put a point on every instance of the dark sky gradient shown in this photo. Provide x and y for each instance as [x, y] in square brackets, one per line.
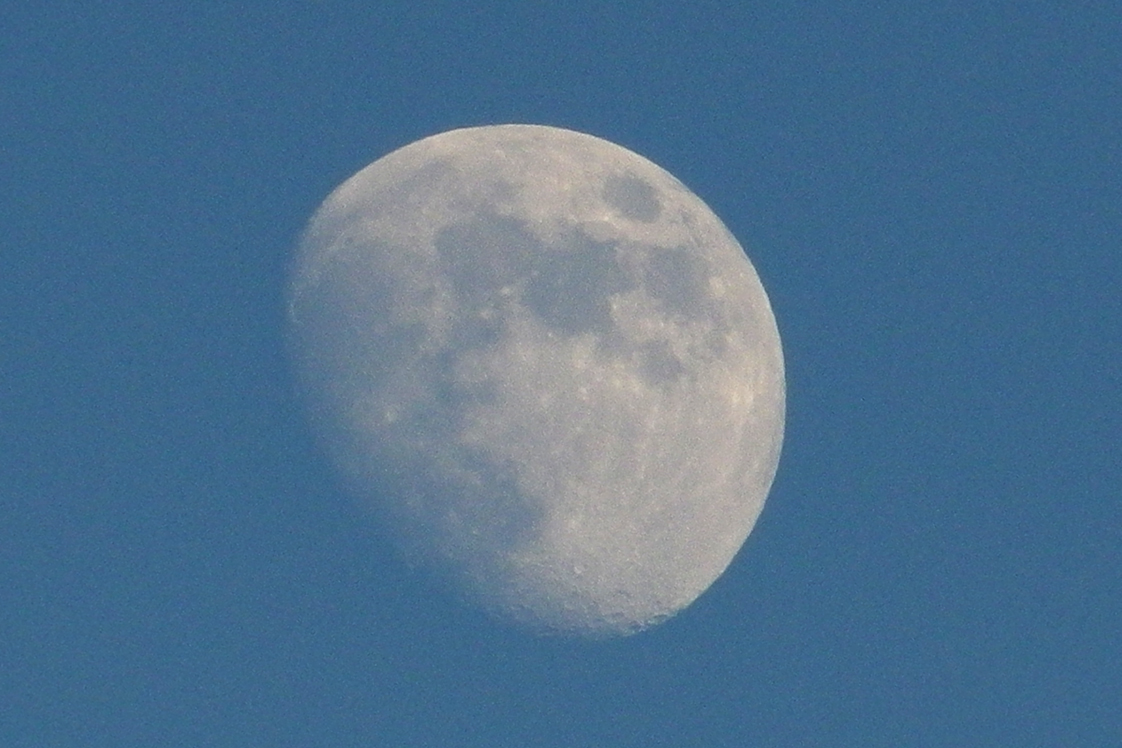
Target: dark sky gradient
[933, 198]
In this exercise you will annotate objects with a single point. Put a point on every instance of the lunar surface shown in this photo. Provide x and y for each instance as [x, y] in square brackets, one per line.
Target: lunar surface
[548, 367]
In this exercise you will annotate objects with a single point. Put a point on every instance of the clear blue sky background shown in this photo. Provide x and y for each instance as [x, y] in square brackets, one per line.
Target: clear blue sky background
[931, 194]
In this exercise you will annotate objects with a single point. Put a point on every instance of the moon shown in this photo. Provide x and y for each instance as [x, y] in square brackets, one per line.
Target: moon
[549, 369]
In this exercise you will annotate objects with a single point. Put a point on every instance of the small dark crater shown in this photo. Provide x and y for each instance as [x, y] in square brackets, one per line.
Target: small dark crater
[715, 342]
[658, 365]
[633, 198]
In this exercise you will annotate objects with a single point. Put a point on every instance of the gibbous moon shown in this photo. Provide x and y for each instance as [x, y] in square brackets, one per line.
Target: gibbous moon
[548, 367]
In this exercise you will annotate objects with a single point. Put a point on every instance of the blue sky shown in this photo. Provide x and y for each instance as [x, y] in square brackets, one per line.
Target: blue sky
[932, 197]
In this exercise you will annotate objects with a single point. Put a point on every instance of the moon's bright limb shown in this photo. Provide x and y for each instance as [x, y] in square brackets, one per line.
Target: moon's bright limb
[548, 365]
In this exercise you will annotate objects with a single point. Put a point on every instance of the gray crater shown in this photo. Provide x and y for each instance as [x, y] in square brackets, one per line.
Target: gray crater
[658, 365]
[633, 198]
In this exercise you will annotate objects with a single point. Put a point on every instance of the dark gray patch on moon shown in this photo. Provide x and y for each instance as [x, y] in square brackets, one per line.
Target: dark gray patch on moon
[483, 255]
[633, 197]
[678, 278]
[481, 258]
[494, 261]
[658, 365]
[571, 283]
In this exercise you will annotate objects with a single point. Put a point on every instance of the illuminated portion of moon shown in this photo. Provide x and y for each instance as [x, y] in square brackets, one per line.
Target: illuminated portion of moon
[548, 366]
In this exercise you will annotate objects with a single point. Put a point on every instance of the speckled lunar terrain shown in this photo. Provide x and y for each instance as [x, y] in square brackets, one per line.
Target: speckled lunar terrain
[548, 366]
